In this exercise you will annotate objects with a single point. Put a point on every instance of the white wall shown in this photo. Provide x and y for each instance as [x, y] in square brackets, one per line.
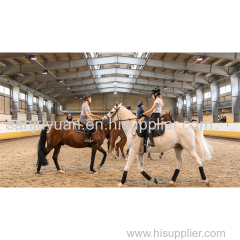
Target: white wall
[4, 117]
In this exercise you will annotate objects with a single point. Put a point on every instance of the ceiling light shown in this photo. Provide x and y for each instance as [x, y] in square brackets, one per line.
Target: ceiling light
[45, 72]
[200, 58]
[68, 88]
[60, 80]
[115, 83]
[80, 98]
[32, 57]
[76, 96]
[165, 87]
[115, 92]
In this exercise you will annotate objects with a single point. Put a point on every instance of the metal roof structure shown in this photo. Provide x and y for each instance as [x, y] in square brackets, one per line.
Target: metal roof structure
[60, 75]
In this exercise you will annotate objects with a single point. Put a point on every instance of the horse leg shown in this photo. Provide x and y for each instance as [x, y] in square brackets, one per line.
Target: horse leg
[94, 150]
[123, 142]
[149, 156]
[131, 157]
[46, 152]
[108, 145]
[140, 167]
[117, 148]
[161, 154]
[178, 153]
[104, 156]
[192, 151]
[55, 157]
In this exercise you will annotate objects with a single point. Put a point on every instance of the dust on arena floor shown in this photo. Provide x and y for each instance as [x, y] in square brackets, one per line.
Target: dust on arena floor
[18, 159]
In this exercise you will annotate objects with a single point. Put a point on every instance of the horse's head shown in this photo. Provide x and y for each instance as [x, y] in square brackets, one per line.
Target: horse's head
[167, 117]
[112, 115]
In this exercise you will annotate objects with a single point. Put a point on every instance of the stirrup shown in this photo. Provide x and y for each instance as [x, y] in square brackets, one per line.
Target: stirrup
[151, 144]
[88, 140]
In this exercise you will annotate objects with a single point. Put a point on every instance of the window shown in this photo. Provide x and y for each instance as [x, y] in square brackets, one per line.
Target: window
[184, 102]
[5, 90]
[225, 89]
[44, 102]
[207, 95]
[194, 99]
[177, 104]
[228, 88]
[22, 96]
[34, 100]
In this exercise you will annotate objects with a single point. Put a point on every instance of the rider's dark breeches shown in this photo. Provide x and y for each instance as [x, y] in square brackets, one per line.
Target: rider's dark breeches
[153, 118]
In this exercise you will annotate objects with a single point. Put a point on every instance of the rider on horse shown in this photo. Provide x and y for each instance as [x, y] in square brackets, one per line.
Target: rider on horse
[140, 108]
[156, 111]
[86, 117]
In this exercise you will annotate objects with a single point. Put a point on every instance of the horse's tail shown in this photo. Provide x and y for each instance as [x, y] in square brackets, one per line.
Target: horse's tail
[205, 146]
[41, 148]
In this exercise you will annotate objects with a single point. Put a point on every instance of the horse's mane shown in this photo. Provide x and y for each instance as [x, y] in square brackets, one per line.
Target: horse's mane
[132, 115]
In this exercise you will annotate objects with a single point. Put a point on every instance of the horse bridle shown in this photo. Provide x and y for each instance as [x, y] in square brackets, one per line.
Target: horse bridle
[117, 109]
[110, 118]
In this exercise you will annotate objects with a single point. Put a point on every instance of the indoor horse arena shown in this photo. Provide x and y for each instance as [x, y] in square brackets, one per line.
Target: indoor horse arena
[38, 89]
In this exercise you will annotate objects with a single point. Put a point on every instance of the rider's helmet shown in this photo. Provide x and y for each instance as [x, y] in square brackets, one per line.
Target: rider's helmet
[129, 107]
[156, 90]
[140, 104]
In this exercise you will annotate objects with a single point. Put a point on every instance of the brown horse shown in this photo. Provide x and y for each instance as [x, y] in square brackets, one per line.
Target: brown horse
[115, 133]
[56, 138]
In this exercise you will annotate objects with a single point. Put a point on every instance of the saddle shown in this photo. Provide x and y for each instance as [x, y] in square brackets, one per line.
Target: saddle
[80, 128]
[158, 131]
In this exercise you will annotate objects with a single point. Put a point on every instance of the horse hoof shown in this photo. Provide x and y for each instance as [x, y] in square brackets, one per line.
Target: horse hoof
[120, 184]
[160, 156]
[171, 183]
[117, 154]
[37, 173]
[115, 157]
[155, 180]
[150, 158]
[96, 172]
[61, 171]
[99, 167]
[123, 157]
[207, 182]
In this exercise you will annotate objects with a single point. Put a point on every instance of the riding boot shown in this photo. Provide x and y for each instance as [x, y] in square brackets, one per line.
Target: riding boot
[88, 136]
[151, 143]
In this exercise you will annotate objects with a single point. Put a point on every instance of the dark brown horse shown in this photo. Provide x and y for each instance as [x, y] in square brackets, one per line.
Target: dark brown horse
[56, 138]
[114, 134]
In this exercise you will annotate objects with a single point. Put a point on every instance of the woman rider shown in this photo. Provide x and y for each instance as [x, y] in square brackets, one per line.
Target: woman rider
[87, 116]
[156, 111]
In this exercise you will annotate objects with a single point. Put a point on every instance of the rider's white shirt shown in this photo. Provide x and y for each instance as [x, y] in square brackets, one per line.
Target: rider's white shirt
[158, 108]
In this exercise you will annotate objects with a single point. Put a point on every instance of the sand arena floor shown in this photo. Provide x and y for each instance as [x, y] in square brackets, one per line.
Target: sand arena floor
[18, 159]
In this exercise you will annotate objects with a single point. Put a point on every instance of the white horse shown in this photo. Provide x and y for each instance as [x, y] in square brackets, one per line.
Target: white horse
[178, 137]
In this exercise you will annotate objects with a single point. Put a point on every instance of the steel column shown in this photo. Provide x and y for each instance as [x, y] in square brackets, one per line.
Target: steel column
[235, 79]
[214, 97]
[180, 109]
[40, 109]
[29, 106]
[15, 103]
[49, 110]
[188, 102]
[200, 104]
